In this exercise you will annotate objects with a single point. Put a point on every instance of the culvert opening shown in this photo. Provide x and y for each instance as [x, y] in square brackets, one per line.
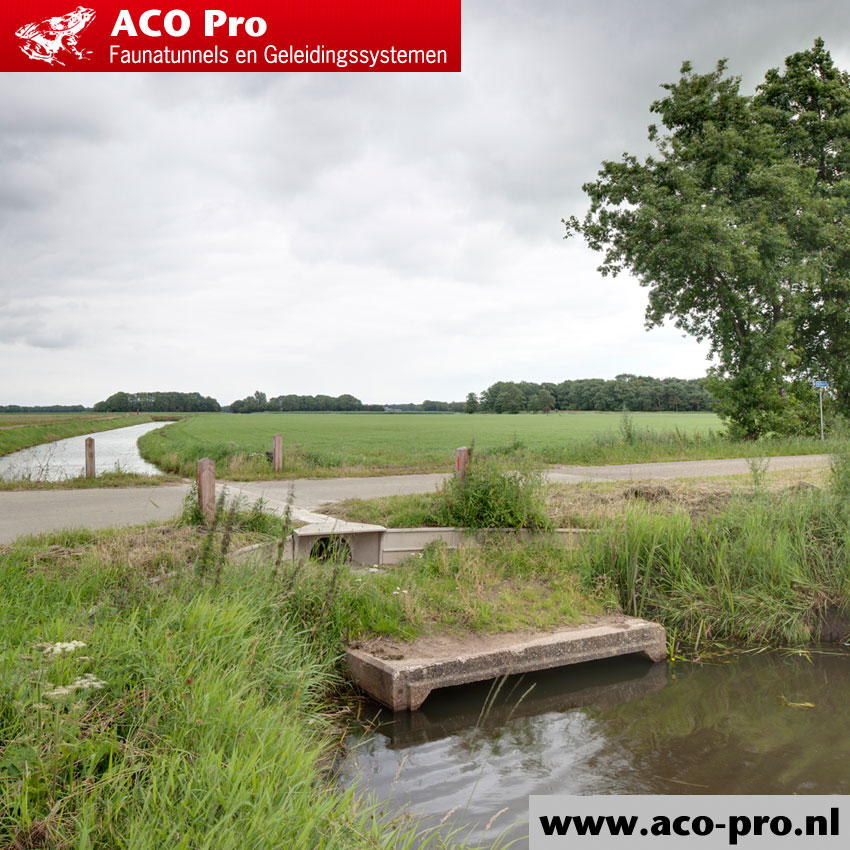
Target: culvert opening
[332, 548]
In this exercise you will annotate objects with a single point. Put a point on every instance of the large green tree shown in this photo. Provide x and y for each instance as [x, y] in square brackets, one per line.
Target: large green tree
[738, 226]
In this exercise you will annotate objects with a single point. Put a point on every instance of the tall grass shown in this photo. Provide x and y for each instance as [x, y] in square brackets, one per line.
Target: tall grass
[764, 569]
[195, 715]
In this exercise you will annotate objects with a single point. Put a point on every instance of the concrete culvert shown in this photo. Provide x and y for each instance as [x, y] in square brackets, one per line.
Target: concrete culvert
[333, 548]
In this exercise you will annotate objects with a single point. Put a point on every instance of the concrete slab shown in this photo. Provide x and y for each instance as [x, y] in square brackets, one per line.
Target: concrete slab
[554, 691]
[373, 544]
[402, 680]
[400, 543]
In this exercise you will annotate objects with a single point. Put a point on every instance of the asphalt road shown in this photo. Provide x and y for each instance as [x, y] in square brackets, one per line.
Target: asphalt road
[32, 511]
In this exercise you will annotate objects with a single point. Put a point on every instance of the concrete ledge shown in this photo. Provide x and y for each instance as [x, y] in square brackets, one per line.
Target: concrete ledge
[403, 683]
[440, 718]
[400, 543]
[363, 540]
[374, 544]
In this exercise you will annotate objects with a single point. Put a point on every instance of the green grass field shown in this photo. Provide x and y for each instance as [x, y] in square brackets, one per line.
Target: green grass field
[331, 444]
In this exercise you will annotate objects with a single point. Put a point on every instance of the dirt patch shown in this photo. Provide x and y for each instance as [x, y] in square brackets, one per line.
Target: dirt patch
[38, 835]
[148, 551]
[835, 624]
[648, 491]
[594, 503]
[444, 645]
[153, 550]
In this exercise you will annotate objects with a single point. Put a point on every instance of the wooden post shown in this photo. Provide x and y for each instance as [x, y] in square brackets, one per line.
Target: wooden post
[206, 487]
[461, 462]
[90, 473]
[277, 452]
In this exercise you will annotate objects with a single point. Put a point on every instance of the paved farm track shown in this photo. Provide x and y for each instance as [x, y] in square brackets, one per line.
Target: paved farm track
[32, 511]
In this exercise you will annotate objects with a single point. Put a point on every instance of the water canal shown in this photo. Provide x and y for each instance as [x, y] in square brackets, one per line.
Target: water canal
[66, 458]
[764, 723]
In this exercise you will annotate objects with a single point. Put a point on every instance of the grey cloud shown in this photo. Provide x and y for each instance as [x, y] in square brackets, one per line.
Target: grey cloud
[178, 209]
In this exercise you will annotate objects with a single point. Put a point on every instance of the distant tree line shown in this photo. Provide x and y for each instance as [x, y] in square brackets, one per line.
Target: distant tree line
[293, 403]
[158, 402]
[50, 408]
[429, 406]
[634, 392]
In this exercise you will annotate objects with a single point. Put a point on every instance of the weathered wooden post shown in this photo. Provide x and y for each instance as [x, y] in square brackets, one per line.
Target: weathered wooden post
[461, 462]
[206, 487]
[277, 452]
[90, 473]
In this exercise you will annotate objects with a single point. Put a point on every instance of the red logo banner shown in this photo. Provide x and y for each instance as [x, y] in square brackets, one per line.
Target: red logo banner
[58, 36]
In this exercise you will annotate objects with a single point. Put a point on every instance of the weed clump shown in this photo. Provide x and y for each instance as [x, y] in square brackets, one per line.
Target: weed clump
[493, 495]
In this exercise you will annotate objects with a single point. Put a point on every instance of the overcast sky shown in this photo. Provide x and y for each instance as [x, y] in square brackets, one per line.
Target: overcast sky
[394, 236]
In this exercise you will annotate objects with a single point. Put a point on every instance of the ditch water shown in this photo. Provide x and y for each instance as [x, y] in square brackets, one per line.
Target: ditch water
[749, 724]
[67, 458]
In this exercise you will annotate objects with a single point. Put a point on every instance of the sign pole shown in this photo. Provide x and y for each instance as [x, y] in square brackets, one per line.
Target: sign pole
[820, 386]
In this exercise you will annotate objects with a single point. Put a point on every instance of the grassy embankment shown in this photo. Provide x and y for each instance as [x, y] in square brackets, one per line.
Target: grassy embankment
[330, 445]
[745, 562]
[22, 431]
[198, 675]
[80, 482]
[204, 708]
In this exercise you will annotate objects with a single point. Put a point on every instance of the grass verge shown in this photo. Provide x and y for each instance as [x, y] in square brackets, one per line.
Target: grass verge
[148, 702]
[80, 482]
[769, 567]
[590, 504]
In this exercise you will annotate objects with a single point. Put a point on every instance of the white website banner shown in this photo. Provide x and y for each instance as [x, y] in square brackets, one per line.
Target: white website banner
[692, 821]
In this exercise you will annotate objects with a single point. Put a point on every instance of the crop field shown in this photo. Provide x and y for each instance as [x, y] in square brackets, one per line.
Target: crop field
[334, 444]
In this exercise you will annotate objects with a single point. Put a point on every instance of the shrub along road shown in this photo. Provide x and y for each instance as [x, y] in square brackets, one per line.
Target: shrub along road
[35, 511]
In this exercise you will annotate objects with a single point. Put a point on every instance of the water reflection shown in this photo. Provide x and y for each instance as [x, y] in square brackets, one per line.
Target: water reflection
[621, 726]
[66, 458]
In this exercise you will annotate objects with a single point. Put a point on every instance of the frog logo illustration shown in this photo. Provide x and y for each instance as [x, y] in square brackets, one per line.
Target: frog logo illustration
[55, 37]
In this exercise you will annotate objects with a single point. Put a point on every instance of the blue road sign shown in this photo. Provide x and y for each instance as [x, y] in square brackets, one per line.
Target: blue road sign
[821, 384]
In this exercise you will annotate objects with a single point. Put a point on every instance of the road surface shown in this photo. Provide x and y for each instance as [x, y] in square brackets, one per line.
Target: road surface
[32, 511]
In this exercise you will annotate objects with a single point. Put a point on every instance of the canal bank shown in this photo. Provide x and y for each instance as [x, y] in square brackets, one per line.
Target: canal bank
[766, 723]
[240, 653]
[64, 459]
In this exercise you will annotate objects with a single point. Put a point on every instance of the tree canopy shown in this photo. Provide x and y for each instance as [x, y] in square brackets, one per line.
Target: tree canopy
[634, 392]
[738, 226]
[172, 402]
